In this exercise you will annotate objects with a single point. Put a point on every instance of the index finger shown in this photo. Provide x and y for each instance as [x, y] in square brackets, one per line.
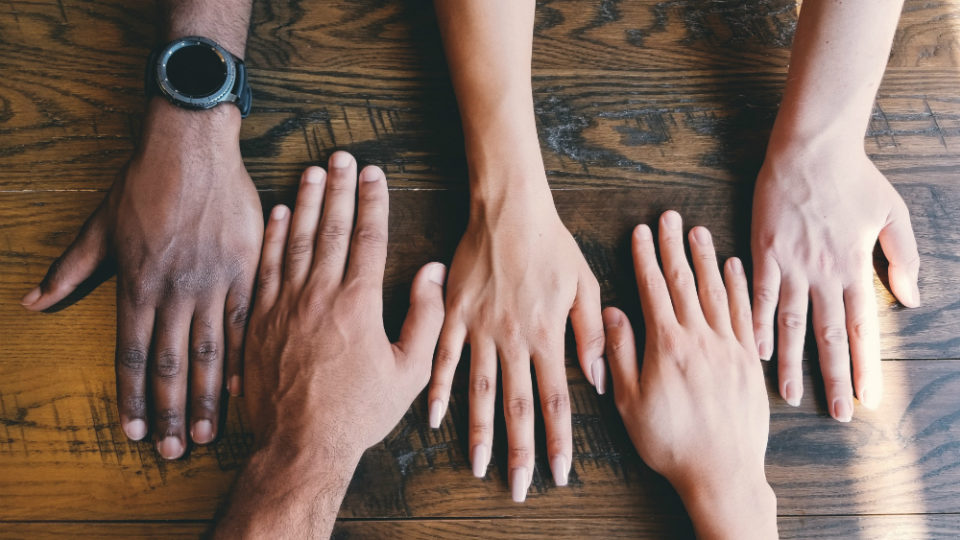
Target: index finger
[654, 297]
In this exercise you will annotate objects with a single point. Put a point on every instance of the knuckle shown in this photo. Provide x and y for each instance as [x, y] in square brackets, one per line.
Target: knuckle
[269, 275]
[446, 360]
[206, 403]
[519, 454]
[333, 230]
[668, 343]
[618, 348]
[594, 341]
[680, 277]
[239, 315]
[792, 321]
[206, 353]
[134, 405]
[170, 417]
[519, 408]
[481, 386]
[765, 294]
[300, 245]
[715, 294]
[861, 329]
[168, 364]
[832, 334]
[371, 235]
[132, 358]
[139, 292]
[479, 430]
[556, 404]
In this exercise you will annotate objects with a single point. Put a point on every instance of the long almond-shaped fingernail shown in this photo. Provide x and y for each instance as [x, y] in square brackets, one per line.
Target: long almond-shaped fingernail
[519, 484]
[31, 297]
[598, 370]
[560, 470]
[135, 429]
[436, 413]
[480, 458]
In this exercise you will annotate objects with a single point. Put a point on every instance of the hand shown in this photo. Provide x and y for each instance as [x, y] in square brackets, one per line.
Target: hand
[320, 368]
[183, 224]
[323, 381]
[697, 411]
[515, 277]
[817, 214]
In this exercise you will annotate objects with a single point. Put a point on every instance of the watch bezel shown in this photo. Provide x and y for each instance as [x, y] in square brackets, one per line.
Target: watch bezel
[222, 94]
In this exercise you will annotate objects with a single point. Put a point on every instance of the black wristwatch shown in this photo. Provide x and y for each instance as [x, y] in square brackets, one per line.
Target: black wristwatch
[196, 73]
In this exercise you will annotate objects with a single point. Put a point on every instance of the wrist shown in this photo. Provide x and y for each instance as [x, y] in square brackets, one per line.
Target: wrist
[742, 506]
[221, 124]
[797, 128]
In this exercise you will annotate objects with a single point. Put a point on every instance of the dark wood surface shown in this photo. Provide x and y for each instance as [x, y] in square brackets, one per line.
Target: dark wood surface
[641, 105]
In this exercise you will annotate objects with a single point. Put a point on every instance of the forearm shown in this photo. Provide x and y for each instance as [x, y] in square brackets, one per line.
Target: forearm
[488, 44]
[745, 508]
[288, 493]
[224, 21]
[839, 54]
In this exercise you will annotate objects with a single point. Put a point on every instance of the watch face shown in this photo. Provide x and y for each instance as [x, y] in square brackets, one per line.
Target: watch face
[196, 71]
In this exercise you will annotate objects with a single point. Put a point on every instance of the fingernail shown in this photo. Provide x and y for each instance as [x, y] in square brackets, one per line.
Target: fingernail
[518, 484]
[202, 432]
[170, 447]
[598, 370]
[480, 458]
[736, 266]
[436, 413]
[792, 393]
[31, 297]
[135, 429]
[279, 212]
[671, 219]
[764, 349]
[643, 232]
[843, 409]
[437, 273]
[371, 174]
[915, 295]
[314, 175]
[868, 399]
[340, 160]
[558, 465]
[234, 385]
[702, 235]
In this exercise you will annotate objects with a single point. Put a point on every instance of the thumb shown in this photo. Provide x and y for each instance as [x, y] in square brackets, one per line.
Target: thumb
[900, 248]
[421, 329]
[72, 268]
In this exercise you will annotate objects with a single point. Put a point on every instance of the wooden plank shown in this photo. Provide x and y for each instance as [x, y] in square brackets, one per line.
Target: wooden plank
[62, 452]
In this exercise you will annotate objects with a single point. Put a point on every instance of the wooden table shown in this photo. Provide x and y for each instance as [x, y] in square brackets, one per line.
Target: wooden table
[642, 106]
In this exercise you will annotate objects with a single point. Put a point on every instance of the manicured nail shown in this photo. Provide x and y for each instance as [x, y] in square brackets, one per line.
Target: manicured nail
[736, 266]
[868, 399]
[437, 273]
[371, 174]
[519, 484]
[135, 429]
[843, 409]
[480, 458]
[702, 235]
[234, 385]
[202, 432]
[436, 413]
[31, 297]
[340, 160]
[671, 219]
[279, 212]
[314, 175]
[598, 370]
[792, 393]
[764, 349]
[558, 465]
[170, 447]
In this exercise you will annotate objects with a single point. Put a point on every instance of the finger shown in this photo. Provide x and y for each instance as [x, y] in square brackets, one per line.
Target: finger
[900, 247]
[483, 397]
[830, 329]
[622, 355]
[206, 369]
[518, 413]
[712, 293]
[134, 326]
[864, 331]
[791, 328]
[766, 292]
[418, 336]
[337, 221]
[236, 314]
[171, 342]
[271, 258]
[679, 277]
[588, 330]
[654, 297]
[77, 263]
[555, 405]
[303, 227]
[368, 250]
[452, 335]
[739, 294]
